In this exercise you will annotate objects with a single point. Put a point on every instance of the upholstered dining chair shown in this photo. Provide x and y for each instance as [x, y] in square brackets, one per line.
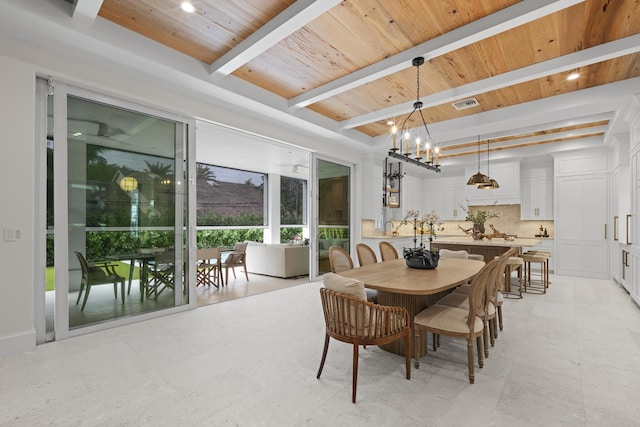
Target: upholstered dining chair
[236, 258]
[448, 253]
[366, 255]
[339, 259]
[461, 300]
[387, 251]
[98, 273]
[350, 318]
[456, 322]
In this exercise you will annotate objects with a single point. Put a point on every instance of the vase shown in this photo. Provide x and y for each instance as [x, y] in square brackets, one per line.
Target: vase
[427, 260]
[478, 231]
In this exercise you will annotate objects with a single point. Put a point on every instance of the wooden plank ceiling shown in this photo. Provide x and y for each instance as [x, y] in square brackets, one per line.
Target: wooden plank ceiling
[354, 39]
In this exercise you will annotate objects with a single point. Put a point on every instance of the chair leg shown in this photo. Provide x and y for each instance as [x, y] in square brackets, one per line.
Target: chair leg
[485, 337]
[355, 372]
[470, 358]
[246, 273]
[80, 293]
[407, 352]
[499, 313]
[86, 295]
[492, 328]
[480, 359]
[324, 354]
[122, 285]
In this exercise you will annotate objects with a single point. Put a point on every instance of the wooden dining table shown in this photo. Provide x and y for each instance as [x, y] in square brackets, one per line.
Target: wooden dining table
[412, 288]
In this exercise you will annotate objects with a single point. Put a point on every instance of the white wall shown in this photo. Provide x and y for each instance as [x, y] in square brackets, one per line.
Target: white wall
[19, 65]
[17, 111]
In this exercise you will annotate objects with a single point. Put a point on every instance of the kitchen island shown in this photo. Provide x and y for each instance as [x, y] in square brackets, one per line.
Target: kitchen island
[485, 247]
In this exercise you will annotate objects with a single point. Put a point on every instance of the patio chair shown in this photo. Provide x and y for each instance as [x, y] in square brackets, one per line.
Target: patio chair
[98, 273]
[237, 258]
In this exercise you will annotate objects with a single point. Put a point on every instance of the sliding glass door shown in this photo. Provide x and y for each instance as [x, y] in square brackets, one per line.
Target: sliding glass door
[117, 223]
[332, 207]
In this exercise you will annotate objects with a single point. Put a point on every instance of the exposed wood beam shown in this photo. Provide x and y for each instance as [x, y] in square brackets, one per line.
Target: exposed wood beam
[445, 155]
[496, 23]
[603, 52]
[291, 19]
[86, 10]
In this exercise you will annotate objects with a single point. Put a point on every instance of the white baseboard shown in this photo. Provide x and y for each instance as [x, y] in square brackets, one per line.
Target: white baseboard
[18, 343]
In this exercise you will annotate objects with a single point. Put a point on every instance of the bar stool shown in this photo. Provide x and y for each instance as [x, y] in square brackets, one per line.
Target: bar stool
[535, 283]
[513, 263]
[548, 255]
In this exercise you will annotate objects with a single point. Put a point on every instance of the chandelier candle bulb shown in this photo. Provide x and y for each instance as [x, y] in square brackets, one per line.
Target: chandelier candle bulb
[417, 148]
[394, 130]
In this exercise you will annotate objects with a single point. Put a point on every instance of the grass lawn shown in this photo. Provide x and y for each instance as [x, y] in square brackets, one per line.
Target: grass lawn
[122, 269]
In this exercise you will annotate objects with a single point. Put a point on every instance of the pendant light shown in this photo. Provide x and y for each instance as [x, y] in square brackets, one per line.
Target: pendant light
[492, 184]
[479, 178]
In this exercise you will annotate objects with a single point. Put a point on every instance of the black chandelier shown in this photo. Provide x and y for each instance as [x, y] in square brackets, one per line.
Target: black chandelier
[432, 154]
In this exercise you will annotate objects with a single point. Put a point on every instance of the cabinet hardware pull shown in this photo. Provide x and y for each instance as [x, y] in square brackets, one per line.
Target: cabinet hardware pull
[615, 228]
[605, 232]
[628, 218]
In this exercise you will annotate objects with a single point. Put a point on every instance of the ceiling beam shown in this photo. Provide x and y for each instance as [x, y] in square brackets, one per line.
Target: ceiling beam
[503, 20]
[291, 19]
[86, 10]
[582, 58]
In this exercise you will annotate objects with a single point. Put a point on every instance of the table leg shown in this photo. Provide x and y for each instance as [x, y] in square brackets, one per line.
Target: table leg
[414, 305]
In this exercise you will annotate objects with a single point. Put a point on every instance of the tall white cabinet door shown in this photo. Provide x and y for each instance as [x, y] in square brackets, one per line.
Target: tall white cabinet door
[581, 233]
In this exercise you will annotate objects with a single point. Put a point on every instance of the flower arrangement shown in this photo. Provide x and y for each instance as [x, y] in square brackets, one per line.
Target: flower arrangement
[419, 256]
[478, 216]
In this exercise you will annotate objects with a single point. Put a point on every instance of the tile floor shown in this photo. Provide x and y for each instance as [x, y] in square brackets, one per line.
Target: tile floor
[568, 358]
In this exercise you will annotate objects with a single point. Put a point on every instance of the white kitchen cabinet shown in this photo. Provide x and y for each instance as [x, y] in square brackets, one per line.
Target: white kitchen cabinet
[508, 177]
[581, 233]
[444, 196]
[537, 198]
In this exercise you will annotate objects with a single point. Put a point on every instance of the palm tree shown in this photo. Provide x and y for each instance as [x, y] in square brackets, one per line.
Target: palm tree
[159, 169]
[204, 174]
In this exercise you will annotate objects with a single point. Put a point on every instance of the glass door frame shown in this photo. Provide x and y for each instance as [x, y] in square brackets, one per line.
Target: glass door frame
[314, 223]
[185, 127]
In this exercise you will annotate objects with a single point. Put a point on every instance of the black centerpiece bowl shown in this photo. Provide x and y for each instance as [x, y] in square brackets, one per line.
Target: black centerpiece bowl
[421, 257]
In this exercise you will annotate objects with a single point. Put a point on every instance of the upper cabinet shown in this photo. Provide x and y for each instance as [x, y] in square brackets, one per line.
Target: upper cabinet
[444, 196]
[537, 192]
[508, 177]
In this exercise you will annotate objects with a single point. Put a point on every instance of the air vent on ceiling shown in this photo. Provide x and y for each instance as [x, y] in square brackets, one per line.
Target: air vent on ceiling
[465, 103]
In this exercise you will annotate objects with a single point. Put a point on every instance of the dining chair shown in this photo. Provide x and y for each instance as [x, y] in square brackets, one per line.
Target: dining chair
[366, 255]
[236, 258]
[98, 273]
[350, 318]
[339, 259]
[387, 251]
[456, 322]
[461, 300]
[448, 253]
[208, 268]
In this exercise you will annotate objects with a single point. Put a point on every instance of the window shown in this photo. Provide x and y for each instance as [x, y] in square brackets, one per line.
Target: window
[293, 201]
[230, 197]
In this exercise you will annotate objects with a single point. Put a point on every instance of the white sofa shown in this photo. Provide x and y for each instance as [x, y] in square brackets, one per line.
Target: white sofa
[279, 260]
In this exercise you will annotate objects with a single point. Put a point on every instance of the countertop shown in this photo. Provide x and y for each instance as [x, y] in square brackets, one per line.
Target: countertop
[518, 242]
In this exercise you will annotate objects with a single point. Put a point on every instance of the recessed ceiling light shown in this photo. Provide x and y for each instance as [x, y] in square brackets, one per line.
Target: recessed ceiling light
[187, 7]
[77, 134]
[573, 76]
